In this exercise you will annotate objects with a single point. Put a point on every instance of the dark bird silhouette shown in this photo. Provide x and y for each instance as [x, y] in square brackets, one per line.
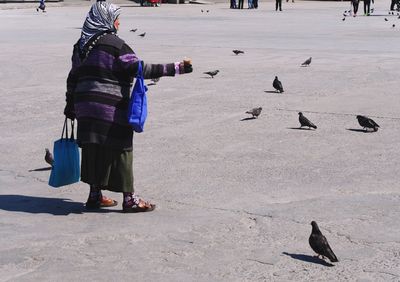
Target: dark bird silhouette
[212, 73]
[142, 35]
[237, 52]
[307, 62]
[393, 25]
[48, 157]
[133, 30]
[255, 112]
[366, 122]
[319, 244]
[305, 121]
[208, 11]
[386, 19]
[277, 85]
[343, 19]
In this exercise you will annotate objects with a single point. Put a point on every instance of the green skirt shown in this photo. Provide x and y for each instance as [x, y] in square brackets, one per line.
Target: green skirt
[111, 169]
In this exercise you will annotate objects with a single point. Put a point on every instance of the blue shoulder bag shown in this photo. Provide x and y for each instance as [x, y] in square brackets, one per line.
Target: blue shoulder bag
[137, 111]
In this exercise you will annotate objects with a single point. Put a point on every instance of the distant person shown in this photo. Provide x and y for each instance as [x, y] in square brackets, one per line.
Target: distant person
[42, 6]
[98, 94]
[250, 4]
[233, 4]
[367, 7]
[278, 4]
[240, 4]
[355, 6]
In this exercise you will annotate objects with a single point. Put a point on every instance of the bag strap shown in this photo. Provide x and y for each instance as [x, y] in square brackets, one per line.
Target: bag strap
[140, 70]
[65, 129]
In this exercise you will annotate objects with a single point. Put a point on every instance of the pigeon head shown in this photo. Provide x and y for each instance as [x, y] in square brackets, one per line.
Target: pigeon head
[358, 117]
[217, 71]
[300, 114]
[315, 228]
[276, 77]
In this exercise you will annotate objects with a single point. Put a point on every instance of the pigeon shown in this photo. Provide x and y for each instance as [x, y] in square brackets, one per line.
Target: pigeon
[343, 19]
[212, 73]
[142, 35]
[366, 122]
[319, 244]
[237, 52]
[393, 25]
[133, 30]
[307, 62]
[305, 122]
[386, 19]
[155, 80]
[255, 112]
[277, 85]
[48, 157]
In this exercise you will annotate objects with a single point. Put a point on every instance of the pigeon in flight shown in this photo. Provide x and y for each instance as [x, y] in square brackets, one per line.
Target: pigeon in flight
[237, 52]
[133, 30]
[48, 157]
[319, 244]
[366, 122]
[212, 73]
[255, 112]
[307, 62]
[277, 85]
[142, 35]
[305, 122]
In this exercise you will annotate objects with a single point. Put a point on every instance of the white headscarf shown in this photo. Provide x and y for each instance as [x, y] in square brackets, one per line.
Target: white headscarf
[100, 18]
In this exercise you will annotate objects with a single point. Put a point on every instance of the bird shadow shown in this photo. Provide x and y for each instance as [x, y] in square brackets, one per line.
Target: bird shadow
[41, 169]
[358, 130]
[308, 258]
[299, 128]
[248, 118]
[37, 205]
[270, 91]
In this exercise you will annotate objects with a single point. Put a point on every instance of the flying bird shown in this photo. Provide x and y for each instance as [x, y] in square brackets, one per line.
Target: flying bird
[305, 121]
[366, 122]
[48, 157]
[255, 112]
[237, 52]
[133, 30]
[212, 73]
[277, 85]
[307, 62]
[142, 35]
[319, 244]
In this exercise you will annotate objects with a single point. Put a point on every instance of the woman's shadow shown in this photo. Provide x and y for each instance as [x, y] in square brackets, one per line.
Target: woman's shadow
[308, 258]
[35, 205]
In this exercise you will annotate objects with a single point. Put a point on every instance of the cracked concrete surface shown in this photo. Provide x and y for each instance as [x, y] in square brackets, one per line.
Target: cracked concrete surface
[235, 198]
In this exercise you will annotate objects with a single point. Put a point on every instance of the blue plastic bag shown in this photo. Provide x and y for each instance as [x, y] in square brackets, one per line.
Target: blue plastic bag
[66, 167]
[137, 110]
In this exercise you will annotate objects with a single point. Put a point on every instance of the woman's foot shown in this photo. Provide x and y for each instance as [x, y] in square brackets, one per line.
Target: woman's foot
[96, 200]
[133, 204]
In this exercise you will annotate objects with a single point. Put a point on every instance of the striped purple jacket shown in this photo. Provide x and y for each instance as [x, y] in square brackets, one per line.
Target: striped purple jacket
[98, 91]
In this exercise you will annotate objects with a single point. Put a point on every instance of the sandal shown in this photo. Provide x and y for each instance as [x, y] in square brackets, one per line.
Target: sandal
[103, 202]
[142, 206]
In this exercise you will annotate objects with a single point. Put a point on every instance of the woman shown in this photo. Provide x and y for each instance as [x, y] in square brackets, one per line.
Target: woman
[98, 90]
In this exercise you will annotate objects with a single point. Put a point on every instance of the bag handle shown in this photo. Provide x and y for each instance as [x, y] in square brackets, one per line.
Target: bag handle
[140, 69]
[65, 129]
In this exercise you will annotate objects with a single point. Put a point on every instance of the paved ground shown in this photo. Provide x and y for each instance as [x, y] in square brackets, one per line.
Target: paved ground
[235, 198]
